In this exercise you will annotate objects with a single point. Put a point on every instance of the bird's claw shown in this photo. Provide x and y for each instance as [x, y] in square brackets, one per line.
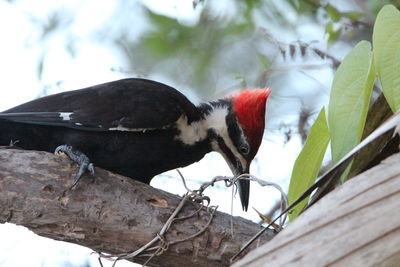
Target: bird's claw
[79, 158]
[201, 199]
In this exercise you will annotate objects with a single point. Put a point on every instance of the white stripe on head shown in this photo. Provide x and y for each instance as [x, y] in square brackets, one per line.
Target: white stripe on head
[197, 131]
[217, 121]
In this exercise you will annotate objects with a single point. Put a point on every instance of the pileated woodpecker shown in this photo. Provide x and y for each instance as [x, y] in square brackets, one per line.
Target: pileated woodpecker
[140, 128]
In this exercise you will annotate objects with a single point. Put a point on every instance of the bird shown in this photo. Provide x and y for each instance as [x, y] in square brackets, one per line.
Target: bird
[140, 128]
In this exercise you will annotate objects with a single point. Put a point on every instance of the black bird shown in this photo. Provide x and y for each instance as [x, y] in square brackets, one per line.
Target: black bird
[140, 128]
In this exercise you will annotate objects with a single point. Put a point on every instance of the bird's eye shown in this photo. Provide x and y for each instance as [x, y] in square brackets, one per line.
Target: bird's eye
[244, 149]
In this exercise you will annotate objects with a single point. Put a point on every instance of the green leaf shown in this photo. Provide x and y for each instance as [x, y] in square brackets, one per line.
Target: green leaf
[308, 162]
[386, 41]
[349, 100]
[333, 34]
[333, 13]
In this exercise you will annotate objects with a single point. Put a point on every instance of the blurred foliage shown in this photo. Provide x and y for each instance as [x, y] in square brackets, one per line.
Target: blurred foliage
[222, 52]
[199, 47]
[197, 54]
[227, 48]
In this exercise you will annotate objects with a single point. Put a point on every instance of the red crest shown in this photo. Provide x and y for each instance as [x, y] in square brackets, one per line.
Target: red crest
[249, 106]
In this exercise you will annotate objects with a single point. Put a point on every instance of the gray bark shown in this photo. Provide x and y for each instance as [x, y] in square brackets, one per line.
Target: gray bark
[110, 213]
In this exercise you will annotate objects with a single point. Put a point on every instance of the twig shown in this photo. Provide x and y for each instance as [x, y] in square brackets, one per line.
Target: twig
[214, 209]
[267, 220]
[284, 200]
[183, 180]
[197, 196]
[303, 47]
[160, 236]
[232, 195]
[161, 233]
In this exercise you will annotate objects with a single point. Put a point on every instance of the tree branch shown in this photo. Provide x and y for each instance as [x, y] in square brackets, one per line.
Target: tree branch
[357, 224]
[111, 213]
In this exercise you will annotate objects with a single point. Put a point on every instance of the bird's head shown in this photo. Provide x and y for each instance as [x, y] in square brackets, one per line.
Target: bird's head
[241, 139]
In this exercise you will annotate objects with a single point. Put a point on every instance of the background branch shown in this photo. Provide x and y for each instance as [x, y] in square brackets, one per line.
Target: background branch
[111, 213]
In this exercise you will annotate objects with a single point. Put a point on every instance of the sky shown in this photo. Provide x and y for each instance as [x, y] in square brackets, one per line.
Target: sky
[19, 53]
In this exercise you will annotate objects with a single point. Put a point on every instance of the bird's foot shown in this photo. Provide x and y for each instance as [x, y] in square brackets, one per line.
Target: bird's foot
[78, 157]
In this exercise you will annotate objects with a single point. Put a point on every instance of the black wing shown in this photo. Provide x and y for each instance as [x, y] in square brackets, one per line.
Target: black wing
[128, 104]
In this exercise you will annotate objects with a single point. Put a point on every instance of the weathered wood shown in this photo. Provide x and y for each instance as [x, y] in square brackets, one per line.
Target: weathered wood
[112, 214]
[358, 224]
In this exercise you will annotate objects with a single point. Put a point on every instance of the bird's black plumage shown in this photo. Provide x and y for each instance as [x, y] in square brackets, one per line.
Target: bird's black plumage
[131, 103]
[135, 127]
[138, 155]
[149, 108]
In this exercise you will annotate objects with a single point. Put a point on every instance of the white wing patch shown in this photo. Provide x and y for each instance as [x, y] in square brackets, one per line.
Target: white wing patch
[66, 116]
[126, 129]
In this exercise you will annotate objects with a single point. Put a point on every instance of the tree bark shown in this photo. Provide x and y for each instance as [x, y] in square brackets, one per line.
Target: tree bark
[357, 224]
[111, 213]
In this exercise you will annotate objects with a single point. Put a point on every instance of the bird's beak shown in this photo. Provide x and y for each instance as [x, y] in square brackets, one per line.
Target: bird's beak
[237, 167]
[243, 185]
